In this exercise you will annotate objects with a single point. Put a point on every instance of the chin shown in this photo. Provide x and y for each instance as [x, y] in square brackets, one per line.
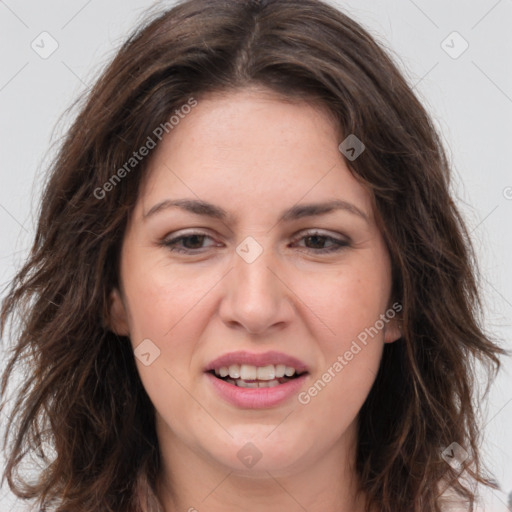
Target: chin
[255, 453]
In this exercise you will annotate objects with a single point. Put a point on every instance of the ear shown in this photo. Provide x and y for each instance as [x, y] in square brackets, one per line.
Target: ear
[118, 317]
[393, 330]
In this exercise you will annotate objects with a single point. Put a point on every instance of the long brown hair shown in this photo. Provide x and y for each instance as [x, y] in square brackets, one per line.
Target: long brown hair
[82, 398]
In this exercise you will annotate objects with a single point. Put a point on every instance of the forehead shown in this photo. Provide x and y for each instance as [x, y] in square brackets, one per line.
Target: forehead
[252, 149]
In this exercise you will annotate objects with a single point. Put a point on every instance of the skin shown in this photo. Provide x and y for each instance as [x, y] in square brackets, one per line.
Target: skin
[255, 155]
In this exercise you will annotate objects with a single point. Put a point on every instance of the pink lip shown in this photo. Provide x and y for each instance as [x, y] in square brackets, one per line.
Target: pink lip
[256, 398]
[263, 359]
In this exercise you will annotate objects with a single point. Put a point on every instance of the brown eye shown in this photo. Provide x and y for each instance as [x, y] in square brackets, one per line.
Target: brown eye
[189, 243]
[316, 242]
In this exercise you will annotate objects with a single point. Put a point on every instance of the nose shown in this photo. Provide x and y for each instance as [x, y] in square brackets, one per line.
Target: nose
[256, 296]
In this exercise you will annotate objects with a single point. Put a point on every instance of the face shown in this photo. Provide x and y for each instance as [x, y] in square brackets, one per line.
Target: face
[259, 278]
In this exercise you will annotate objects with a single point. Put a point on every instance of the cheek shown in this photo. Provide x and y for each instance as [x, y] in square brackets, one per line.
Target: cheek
[164, 308]
[350, 337]
[347, 301]
[351, 353]
[162, 298]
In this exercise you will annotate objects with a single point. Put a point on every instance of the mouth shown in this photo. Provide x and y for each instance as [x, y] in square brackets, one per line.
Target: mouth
[251, 376]
[251, 380]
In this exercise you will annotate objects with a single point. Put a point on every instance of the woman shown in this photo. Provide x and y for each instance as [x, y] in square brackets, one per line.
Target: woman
[250, 288]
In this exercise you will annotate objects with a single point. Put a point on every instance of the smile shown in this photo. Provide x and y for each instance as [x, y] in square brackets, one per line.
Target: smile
[250, 376]
[256, 380]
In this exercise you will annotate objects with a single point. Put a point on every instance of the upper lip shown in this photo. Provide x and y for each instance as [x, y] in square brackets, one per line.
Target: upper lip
[254, 359]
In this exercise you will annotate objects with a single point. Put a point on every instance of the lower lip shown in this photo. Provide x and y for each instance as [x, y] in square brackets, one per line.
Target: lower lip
[256, 398]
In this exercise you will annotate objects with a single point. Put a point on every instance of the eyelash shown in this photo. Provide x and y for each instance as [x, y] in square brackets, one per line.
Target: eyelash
[171, 244]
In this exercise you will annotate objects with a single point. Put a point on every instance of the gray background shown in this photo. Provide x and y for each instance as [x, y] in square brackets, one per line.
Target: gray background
[470, 98]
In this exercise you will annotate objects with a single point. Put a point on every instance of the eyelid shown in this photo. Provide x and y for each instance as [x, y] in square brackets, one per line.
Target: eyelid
[321, 232]
[339, 243]
[178, 235]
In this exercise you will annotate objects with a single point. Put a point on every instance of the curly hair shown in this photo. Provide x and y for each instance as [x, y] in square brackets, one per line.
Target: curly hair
[82, 409]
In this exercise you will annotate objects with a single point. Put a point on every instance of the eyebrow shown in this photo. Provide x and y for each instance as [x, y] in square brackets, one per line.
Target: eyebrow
[200, 207]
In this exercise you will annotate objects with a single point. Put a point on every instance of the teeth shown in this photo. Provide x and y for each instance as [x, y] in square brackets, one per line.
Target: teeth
[243, 384]
[280, 369]
[269, 383]
[266, 372]
[234, 371]
[262, 384]
[288, 371]
[250, 372]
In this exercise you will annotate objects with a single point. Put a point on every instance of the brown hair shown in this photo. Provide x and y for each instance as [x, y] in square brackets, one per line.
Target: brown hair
[83, 396]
